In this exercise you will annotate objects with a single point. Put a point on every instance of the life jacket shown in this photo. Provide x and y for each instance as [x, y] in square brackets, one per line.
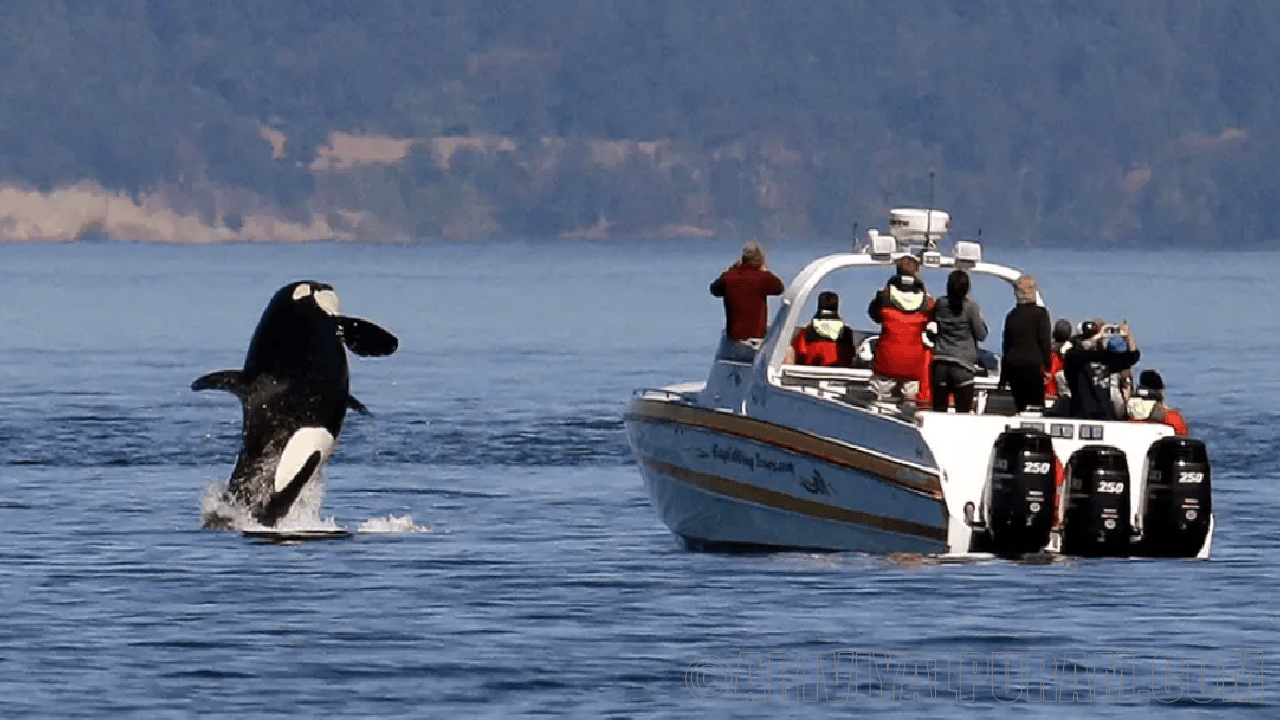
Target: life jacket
[819, 344]
[1140, 408]
[1174, 419]
[924, 398]
[1148, 410]
[1056, 366]
[900, 352]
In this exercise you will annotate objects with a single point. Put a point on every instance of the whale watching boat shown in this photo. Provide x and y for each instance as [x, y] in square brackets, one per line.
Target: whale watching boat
[766, 455]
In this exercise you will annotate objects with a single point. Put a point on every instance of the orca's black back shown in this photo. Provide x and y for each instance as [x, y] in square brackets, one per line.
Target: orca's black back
[297, 364]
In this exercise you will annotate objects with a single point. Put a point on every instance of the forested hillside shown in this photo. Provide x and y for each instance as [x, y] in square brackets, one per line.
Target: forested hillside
[1134, 122]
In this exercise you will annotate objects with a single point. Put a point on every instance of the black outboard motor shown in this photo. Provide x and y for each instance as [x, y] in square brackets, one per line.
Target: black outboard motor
[1097, 517]
[1022, 501]
[1179, 502]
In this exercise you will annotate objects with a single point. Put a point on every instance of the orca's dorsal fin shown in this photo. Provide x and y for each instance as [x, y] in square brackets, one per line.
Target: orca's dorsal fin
[357, 406]
[230, 380]
[365, 338]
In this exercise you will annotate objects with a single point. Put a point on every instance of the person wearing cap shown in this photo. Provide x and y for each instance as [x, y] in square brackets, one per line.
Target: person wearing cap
[1148, 405]
[826, 340]
[959, 328]
[745, 287]
[903, 309]
[1027, 347]
[1090, 361]
[1055, 381]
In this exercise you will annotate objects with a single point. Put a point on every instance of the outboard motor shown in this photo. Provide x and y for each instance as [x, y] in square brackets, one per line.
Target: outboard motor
[1022, 498]
[1097, 517]
[1179, 503]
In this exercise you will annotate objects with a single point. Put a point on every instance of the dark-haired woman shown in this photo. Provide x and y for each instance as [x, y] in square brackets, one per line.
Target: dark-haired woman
[955, 346]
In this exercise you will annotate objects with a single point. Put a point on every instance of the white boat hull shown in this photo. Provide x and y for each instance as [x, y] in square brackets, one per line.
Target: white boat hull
[719, 482]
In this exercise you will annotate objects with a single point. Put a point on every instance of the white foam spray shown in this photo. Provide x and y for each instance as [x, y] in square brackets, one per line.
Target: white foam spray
[392, 524]
[217, 512]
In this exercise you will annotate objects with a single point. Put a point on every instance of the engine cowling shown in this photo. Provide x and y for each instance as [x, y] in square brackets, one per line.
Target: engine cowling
[1097, 513]
[1021, 494]
[1179, 502]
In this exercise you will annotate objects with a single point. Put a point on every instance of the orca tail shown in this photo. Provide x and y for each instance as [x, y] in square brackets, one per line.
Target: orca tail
[230, 380]
[366, 338]
[280, 503]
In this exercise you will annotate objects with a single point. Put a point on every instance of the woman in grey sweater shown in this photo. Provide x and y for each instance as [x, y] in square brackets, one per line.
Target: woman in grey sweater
[955, 347]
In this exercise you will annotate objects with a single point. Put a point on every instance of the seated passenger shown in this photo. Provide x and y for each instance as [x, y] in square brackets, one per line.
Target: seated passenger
[826, 340]
[903, 309]
[1148, 405]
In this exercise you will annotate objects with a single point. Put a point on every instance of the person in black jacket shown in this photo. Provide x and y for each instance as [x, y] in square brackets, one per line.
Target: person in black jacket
[1089, 363]
[1028, 346]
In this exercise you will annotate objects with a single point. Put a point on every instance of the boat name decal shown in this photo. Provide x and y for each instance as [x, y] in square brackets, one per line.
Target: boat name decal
[751, 461]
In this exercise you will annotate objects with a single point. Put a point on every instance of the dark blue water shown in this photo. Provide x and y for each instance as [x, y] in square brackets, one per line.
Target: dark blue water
[506, 561]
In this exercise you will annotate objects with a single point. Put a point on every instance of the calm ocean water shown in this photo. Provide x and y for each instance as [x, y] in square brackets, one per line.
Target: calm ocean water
[506, 560]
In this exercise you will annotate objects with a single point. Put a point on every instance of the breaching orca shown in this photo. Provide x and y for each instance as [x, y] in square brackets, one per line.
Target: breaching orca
[295, 392]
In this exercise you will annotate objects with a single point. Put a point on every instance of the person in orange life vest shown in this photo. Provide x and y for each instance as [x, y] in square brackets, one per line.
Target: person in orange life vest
[826, 340]
[1056, 390]
[1148, 405]
[903, 309]
[745, 287]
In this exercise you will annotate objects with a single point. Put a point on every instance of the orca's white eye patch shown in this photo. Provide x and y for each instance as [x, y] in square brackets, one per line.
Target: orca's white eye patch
[327, 300]
[301, 291]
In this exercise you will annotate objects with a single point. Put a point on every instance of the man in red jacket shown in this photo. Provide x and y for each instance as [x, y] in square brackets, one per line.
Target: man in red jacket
[745, 287]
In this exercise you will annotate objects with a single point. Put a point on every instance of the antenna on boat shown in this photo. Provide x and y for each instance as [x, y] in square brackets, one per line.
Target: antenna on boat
[929, 244]
[854, 241]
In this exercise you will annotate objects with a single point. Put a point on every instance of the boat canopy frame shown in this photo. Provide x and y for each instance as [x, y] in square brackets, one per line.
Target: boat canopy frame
[773, 349]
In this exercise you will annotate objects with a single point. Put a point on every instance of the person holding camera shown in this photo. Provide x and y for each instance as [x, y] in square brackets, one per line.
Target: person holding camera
[1089, 363]
[746, 287]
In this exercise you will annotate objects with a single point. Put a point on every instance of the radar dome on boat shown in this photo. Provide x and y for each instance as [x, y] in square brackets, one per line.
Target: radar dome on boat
[917, 224]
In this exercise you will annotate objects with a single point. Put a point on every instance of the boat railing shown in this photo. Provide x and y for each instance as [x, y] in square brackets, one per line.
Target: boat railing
[664, 394]
[852, 385]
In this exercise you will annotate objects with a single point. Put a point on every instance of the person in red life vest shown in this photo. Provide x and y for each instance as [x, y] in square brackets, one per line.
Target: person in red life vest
[903, 309]
[1056, 391]
[1027, 347]
[826, 340]
[745, 287]
[1148, 405]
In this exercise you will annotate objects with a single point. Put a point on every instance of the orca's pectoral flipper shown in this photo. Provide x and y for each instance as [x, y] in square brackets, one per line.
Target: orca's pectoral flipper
[366, 338]
[278, 506]
[357, 406]
[230, 380]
